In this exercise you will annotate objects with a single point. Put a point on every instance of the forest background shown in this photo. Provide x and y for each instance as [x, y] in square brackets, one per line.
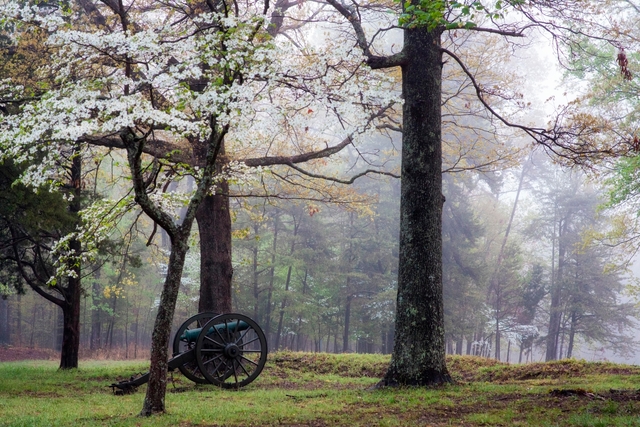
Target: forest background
[317, 270]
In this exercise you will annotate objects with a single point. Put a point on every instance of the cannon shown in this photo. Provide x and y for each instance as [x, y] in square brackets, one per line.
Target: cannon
[227, 350]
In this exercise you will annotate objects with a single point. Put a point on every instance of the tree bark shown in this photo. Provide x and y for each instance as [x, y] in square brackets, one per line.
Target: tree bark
[216, 270]
[419, 351]
[71, 304]
[156, 390]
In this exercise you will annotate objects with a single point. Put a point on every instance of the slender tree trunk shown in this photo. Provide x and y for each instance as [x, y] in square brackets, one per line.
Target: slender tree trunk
[254, 275]
[96, 322]
[19, 321]
[296, 226]
[136, 336]
[299, 345]
[495, 280]
[126, 334]
[4, 321]
[572, 334]
[272, 272]
[555, 309]
[216, 270]
[419, 352]
[33, 325]
[520, 356]
[459, 346]
[497, 353]
[71, 305]
[156, 389]
[347, 321]
[112, 323]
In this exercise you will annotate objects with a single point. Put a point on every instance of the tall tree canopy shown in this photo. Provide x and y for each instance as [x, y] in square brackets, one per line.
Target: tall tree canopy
[430, 30]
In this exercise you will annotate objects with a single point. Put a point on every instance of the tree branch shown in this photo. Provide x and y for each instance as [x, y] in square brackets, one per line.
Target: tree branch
[299, 158]
[341, 181]
[374, 61]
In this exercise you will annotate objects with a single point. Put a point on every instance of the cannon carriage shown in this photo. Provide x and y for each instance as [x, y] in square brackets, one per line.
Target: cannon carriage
[227, 350]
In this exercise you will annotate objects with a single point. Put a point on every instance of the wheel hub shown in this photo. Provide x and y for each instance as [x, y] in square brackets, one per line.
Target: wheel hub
[231, 351]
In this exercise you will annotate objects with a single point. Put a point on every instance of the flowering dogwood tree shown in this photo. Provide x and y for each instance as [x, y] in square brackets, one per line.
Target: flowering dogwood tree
[177, 85]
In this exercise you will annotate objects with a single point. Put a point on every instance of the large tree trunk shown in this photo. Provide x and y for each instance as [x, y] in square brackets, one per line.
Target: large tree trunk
[71, 323]
[419, 352]
[216, 270]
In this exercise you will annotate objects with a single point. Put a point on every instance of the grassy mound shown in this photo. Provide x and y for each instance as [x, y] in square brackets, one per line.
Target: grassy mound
[461, 368]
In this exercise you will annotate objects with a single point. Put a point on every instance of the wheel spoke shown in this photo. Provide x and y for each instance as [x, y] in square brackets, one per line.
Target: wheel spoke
[235, 374]
[211, 350]
[242, 334]
[219, 344]
[249, 342]
[213, 359]
[242, 366]
[217, 332]
[249, 360]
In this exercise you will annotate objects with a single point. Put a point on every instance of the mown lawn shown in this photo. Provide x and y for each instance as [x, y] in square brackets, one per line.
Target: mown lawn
[303, 389]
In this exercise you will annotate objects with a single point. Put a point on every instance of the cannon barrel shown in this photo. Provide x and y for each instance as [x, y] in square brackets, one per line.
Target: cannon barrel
[191, 335]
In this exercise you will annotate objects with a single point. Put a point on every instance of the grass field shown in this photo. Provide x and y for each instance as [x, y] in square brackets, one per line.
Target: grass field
[317, 390]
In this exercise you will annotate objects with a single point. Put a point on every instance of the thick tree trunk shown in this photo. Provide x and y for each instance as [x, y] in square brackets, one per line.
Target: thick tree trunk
[216, 270]
[71, 325]
[156, 390]
[419, 352]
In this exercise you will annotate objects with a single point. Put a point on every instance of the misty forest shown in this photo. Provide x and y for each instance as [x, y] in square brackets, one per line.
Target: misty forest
[414, 178]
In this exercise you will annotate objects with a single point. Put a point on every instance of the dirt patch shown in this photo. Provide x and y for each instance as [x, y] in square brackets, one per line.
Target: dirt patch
[12, 354]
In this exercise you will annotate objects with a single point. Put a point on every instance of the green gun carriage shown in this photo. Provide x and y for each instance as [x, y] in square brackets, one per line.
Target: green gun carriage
[227, 350]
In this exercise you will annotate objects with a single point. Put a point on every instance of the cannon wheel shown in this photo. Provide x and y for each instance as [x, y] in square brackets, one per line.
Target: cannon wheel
[191, 369]
[228, 358]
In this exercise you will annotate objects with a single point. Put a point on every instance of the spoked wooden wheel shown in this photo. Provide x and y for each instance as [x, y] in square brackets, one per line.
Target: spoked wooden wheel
[231, 350]
[183, 342]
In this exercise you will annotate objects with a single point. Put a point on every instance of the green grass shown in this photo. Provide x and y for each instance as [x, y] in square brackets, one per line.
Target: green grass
[317, 390]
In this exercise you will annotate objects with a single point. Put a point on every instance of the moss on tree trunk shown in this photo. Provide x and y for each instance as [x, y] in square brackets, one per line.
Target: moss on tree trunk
[419, 352]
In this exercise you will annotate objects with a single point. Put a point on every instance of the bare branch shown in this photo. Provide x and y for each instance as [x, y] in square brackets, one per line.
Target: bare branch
[342, 181]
